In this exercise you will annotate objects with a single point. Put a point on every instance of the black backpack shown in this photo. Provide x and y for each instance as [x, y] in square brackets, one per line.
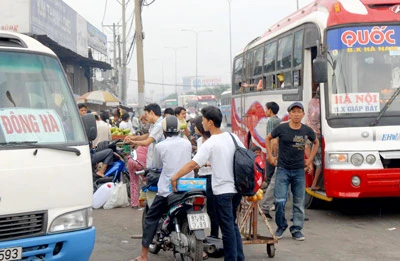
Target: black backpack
[243, 170]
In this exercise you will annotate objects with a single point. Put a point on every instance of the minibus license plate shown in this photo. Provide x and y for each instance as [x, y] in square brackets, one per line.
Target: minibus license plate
[12, 253]
[198, 221]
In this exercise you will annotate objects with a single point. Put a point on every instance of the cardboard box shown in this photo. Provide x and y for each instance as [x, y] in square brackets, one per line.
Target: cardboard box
[117, 137]
[186, 184]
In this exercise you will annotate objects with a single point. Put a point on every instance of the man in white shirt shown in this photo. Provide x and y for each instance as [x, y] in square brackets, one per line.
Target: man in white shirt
[219, 150]
[170, 155]
[155, 135]
[103, 131]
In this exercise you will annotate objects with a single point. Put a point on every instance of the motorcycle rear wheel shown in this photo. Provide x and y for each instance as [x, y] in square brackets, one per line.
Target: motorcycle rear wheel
[195, 245]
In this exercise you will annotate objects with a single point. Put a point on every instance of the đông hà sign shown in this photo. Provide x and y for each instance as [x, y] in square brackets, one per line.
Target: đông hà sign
[40, 125]
[355, 103]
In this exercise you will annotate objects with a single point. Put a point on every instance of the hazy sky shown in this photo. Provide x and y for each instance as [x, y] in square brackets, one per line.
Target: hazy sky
[164, 20]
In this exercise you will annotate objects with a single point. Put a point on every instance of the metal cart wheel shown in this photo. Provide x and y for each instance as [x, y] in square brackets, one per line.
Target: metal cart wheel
[271, 250]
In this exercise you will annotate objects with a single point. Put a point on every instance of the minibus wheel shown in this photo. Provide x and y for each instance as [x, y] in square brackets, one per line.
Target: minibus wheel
[311, 202]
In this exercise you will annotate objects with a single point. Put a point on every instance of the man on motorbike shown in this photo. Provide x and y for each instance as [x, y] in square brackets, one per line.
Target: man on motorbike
[170, 155]
[106, 156]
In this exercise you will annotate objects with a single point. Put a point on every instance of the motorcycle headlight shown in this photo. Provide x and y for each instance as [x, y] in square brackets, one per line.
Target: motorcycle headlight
[357, 159]
[76, 220]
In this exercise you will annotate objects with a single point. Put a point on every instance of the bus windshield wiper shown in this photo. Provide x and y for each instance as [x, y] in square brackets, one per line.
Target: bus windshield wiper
[385, 108]
[33, 144]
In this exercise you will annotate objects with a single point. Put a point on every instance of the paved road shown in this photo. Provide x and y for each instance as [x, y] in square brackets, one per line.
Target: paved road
[342, 231]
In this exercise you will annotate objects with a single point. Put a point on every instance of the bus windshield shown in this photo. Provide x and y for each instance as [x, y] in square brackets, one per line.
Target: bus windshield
[365, 72]
[36, 104]
[209, 103]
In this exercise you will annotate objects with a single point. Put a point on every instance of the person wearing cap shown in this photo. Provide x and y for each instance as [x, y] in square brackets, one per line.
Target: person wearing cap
[293, 137]
[170, 155]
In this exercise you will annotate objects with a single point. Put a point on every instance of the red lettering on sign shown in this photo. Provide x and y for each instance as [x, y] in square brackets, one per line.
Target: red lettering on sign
[368, 98]
[54, 124]
[377, 36]
[45, 122]
[7, 124]
[25, 123]
[347, 99]
[32, 121]
[15, 123]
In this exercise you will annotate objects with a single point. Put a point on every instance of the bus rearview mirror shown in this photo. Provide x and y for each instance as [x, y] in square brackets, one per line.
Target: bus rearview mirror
[89, 122]
[320, 70]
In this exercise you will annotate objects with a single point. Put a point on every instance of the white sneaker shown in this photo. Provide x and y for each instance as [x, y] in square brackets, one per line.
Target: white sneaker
[272, 208]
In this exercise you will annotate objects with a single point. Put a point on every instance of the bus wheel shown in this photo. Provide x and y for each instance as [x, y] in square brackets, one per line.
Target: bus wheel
[310, 202]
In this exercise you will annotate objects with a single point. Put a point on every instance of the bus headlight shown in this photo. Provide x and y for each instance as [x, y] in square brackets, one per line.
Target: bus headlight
[370, 159]
[337, 157]
[357, 159]
[356, 181]
[75, 220]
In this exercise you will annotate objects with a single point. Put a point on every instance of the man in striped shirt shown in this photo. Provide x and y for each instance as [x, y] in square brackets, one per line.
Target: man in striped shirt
[272, 109]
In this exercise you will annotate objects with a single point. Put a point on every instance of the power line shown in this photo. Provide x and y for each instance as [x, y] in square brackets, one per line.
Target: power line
[104, 14]
[149, 3]
[170, 84]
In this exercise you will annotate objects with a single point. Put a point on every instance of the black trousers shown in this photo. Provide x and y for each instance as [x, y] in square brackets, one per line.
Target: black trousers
[211, 211]
[106, 156]
[153, 216]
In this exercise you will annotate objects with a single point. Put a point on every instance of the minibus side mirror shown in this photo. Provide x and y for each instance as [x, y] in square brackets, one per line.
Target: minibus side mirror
[320, 70]
[89, 122]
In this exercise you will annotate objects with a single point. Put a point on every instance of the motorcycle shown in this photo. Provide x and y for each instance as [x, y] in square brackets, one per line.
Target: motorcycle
[182, 228]
[117, 172]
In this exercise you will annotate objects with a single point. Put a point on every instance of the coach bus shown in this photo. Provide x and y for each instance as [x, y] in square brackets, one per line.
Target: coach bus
[225, 107]
[355, 47]
[206, 100]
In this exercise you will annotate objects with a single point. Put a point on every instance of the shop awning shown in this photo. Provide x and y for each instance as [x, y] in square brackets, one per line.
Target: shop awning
[67, 56]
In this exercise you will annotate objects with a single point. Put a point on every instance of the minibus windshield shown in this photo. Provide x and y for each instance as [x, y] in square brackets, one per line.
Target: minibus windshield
[36, 103]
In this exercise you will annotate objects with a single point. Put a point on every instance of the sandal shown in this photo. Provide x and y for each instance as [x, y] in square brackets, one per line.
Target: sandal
[205, 256]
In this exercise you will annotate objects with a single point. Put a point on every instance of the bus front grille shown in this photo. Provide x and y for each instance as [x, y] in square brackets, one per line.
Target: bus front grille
[23, 225]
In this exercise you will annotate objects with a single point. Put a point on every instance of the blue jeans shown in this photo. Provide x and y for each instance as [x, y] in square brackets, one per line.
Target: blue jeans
[226, 206]
[284, 178]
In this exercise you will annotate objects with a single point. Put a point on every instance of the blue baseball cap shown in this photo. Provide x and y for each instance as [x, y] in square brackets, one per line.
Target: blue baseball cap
[295, 104]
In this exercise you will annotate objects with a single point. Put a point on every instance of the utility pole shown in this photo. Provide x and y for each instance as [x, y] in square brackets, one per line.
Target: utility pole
[196, 32]
[116, 62]
[230, 40]
[139, 53]
[175, 49]
[115, 65]
[123, 80]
